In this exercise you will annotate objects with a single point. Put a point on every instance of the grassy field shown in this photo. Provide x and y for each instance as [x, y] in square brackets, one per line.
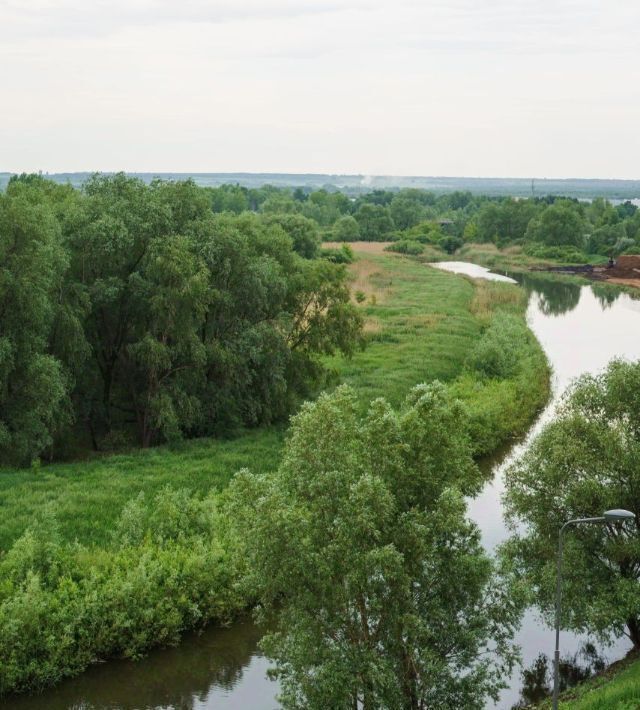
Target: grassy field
[88, 496]
[513, 257]
[421, 324]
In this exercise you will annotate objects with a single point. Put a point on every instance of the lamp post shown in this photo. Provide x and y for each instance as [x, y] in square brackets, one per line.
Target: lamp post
[611, 516]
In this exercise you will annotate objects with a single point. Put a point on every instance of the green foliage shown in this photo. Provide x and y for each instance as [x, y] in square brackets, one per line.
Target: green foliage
[343, 255]
[428, 322]
[63, 606]
[346, 229]
[34, 384]
[502, 222]
[425, 233]
[405, 211]
[499, 351]
[507, 376]
[451, 244]
[303, 233]
[406, 246]
[136, 311]
[584, 462]
[374, 222]
[567, 254]
[359, 545]
[559, 225]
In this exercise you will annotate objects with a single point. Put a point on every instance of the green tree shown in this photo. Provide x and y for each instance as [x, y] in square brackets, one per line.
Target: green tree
[374, 221]
[559, 225]
[230, 198]
[360, 546]
[405, 212]
[346, 229]
[506, 221]
[303, 232]
[34, 385]
[162, 361]
[584, 462]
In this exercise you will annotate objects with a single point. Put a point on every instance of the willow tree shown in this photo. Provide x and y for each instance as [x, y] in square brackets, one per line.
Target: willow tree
[359, 546]
[34, 385]
[586, 461]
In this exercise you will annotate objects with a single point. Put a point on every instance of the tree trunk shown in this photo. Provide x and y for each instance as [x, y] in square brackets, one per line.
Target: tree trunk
[107, 379]
[633, 624]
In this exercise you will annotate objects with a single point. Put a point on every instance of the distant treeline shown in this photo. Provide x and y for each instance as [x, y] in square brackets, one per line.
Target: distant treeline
[583, 188]
[545, 226]
[132, 311]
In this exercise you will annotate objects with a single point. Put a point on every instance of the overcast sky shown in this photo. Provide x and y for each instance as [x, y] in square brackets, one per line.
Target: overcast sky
[405, 87]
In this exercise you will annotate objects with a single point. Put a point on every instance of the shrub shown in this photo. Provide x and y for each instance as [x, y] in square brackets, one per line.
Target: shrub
[343, 255]
[568, 254]
[406, 246]
[63, 606]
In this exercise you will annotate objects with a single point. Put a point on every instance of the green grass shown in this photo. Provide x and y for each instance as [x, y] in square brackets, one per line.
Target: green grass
[618, 688]
[420, 327]
[513, 257]
[88, 496]
[421, 324]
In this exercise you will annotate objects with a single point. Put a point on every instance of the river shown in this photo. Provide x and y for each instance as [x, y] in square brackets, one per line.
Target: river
[580, 328]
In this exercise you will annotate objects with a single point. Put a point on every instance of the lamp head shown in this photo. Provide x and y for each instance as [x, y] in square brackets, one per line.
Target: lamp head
[618, 515]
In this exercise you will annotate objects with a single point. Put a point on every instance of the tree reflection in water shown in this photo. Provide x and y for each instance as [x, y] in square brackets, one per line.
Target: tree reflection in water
[555, 296]
[537, 680]
[202, 666]
[606, 294]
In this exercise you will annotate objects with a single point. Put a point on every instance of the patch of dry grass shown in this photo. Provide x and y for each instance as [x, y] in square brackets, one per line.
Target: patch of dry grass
[371, 278]
[490, 295]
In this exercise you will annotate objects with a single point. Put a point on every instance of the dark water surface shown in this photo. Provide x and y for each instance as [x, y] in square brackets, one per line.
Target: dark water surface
[581, 328]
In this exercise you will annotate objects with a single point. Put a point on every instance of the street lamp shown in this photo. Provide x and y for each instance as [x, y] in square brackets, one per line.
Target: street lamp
[611, 516]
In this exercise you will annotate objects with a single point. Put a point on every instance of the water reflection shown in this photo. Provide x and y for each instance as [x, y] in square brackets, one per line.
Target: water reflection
[466, 268]
[606, 294]
[537, 679]
[555, 296]
[219, 669]
[577, 340]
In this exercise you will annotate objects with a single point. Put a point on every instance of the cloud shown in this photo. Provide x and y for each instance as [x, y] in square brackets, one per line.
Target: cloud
[22, 19]
[515, 87]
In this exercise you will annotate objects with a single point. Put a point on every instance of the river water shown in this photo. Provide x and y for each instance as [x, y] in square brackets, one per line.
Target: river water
[580, 328]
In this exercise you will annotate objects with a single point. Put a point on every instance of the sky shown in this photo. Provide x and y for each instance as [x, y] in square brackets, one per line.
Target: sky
[498, 88]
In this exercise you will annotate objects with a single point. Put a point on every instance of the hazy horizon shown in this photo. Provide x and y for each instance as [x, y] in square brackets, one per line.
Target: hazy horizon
[462, 88]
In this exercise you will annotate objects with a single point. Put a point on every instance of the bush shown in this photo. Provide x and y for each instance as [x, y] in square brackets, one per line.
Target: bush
[406, 246]
[570, 255]
[343, 255]
[499, 350]
[63, 606]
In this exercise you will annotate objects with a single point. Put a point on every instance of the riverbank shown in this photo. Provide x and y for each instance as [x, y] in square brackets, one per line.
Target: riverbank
[121, 558]
[594, 269]
[616, 688]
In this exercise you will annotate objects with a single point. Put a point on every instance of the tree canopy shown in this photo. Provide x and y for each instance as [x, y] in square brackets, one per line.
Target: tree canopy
[359, 545]
[133, 311]
[586, 461]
